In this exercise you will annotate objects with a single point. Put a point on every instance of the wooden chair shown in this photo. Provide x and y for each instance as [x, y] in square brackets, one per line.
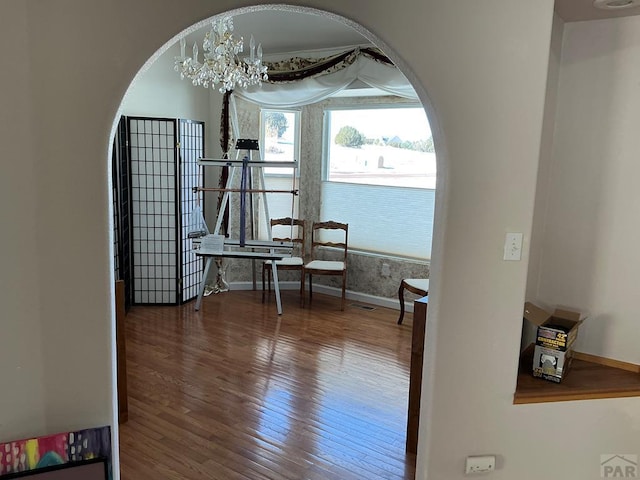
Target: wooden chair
[328, 267]
[294, 229]
[419, 286]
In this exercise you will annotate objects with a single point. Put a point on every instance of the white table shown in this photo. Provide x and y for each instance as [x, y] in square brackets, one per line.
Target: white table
[284, 250]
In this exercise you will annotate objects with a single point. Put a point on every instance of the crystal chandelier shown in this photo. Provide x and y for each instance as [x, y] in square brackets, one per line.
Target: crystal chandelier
[221, 63]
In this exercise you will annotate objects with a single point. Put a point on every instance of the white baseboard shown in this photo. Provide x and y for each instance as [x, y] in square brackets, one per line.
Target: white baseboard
[335, 292]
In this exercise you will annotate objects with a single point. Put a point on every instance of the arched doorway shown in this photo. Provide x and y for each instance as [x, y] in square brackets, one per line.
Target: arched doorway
[213, 141]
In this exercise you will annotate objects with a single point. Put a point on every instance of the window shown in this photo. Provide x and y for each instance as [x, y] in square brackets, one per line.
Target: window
[280, 138]
[280, 141]
[380, 162]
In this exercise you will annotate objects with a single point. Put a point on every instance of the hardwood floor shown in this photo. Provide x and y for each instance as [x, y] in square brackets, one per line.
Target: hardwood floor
[236, 392]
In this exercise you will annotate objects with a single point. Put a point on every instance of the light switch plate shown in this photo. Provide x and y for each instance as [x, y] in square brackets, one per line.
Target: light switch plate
[513, 246]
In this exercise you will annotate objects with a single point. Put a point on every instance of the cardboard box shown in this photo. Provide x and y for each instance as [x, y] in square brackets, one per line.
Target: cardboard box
[556, 334]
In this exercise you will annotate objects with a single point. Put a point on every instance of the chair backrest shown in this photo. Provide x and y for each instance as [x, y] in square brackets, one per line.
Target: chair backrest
[330, 234]
[289, 229]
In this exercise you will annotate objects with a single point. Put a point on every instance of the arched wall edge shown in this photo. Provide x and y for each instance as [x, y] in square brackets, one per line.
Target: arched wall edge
[435, 269]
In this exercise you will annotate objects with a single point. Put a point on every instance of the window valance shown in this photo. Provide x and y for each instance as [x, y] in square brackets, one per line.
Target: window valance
[299, 81]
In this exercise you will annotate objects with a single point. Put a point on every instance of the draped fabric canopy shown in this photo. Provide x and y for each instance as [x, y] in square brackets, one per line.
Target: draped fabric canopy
[297, 81]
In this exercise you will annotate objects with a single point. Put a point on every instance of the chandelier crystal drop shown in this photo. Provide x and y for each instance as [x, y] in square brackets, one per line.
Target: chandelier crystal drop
[221, 63]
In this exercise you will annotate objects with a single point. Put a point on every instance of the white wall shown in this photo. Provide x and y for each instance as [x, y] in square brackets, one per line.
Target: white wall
[21, 366]
[485, 66]
[158, 91]
[544, 175]
[590, 252]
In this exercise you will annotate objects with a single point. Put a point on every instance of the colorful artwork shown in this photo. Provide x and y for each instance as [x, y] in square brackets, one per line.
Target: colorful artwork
[29, 454]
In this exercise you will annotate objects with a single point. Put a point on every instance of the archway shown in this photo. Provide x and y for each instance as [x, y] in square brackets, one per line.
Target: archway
[238, 12]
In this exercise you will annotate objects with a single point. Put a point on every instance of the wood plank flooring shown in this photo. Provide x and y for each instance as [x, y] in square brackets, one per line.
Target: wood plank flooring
[237, 392]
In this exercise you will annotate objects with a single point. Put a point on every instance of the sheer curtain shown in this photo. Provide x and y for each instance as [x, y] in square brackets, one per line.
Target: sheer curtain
[304, 86]
[298, 81]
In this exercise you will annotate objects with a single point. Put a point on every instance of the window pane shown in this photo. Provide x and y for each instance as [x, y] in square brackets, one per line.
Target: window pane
[279, 132]
[280, 141]
[279, 204]
[391, 220]
[380, 162]
[380, 146]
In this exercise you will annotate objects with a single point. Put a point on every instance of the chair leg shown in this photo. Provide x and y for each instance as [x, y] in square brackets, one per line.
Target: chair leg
[344, 290]
[264, 267]
[302, 287]
[401, 298]
[310, 288]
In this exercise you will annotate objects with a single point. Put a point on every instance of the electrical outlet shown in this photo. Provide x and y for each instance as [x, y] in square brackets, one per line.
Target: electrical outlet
[480, 464]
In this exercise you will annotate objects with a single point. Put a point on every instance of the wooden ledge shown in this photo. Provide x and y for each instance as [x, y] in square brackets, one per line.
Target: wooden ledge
[590, 377]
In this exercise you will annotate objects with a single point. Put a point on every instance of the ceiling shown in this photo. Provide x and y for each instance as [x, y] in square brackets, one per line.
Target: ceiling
[283, 31]
[288, 31]
[582, 10]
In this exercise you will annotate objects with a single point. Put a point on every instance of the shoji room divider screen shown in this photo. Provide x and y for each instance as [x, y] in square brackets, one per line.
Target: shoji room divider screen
[156, 171]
